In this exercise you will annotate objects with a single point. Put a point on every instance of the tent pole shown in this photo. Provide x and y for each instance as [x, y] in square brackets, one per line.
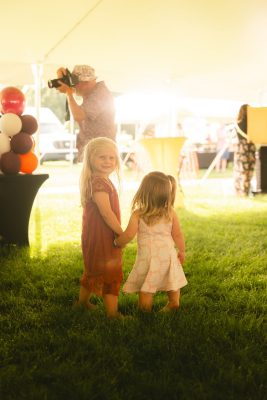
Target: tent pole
[72, 132]
[37, 70]
[214, 162]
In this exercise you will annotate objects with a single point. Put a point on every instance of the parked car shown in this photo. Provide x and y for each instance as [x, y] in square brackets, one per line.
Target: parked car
[54, 142]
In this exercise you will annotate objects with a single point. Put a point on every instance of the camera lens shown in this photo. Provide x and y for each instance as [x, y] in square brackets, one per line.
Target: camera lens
[54, 83]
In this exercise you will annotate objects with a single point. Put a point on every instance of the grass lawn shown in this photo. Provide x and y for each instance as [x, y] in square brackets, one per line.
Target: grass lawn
[214, 348]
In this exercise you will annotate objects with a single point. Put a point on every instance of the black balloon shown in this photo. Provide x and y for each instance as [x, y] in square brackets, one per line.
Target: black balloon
[10, 163]
[29, 124]
[21, 143]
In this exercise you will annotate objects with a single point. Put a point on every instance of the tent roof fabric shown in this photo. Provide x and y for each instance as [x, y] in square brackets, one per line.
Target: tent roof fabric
[198, 48]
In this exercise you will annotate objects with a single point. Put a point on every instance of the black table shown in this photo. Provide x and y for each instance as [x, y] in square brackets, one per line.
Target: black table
[17, 194]
[206, 158]
[261, 170]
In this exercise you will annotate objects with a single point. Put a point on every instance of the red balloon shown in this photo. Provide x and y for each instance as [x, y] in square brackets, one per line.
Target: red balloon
[12, 100]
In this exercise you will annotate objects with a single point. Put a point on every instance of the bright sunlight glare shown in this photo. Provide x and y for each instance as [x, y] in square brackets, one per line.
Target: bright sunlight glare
[144, 107]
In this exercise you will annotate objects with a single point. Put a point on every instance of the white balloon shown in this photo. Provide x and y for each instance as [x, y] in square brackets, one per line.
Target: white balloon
[4, 143]
[10, 124]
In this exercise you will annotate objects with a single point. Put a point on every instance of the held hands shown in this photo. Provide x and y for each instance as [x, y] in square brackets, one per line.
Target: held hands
[115, 244]
[116, 237]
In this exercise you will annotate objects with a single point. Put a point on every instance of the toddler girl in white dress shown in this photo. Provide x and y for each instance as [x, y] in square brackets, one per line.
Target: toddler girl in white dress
[158, 264]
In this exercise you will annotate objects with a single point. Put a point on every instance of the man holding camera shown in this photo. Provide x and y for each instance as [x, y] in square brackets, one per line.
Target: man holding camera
[96, 115]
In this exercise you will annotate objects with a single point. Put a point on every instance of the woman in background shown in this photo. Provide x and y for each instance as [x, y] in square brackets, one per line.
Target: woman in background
[244, 155]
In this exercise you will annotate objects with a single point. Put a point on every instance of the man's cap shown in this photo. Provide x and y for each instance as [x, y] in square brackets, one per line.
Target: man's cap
[84, 73]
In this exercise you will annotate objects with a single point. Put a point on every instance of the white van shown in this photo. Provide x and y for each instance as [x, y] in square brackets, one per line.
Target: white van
[54, 142]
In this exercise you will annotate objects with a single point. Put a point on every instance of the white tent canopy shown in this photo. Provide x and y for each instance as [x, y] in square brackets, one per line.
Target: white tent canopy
[199, 48]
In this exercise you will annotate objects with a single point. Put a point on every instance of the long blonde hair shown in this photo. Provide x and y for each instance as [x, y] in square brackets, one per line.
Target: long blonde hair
[93, 147]
[153, 199]
[174, 188]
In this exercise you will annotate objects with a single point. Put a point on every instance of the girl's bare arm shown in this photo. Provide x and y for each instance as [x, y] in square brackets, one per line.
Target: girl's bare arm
[103, 204]
[178, 237]
[129, 232]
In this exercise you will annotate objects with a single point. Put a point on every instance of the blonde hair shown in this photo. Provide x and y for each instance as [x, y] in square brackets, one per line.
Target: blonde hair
[93, 147]
[153, 199]
[174, 188]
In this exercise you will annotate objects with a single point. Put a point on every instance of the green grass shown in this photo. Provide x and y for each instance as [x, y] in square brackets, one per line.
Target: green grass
[213, 348]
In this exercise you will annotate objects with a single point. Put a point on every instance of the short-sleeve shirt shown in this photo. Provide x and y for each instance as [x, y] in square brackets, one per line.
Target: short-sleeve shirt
[100, 116]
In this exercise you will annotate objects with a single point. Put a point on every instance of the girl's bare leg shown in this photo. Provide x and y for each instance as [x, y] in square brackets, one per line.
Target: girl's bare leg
[111, 305]
[174, 301]
[84, 299]
[145, 301]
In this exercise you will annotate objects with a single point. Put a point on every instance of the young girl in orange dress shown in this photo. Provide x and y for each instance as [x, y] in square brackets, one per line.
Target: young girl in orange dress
[158, 265]
[102, 274]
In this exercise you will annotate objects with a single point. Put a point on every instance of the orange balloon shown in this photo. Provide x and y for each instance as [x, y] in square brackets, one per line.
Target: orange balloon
[28, 162]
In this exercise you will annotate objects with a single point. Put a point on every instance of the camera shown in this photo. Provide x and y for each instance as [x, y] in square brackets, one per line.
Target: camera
[69, 79]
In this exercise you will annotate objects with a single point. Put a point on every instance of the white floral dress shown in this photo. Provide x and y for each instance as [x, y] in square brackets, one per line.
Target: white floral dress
[156, 267]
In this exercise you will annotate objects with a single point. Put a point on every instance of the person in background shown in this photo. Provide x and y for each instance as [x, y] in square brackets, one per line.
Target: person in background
[149, 131]
[179, 129]
[158, 265]
[187, 159]
[102, 274]
[244, 155]
[96, 115]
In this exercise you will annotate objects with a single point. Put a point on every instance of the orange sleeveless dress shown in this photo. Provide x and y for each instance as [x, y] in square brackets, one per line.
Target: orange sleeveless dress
[102, 261]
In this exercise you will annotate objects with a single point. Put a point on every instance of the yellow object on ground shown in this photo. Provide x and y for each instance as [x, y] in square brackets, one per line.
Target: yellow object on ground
[163, 154]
